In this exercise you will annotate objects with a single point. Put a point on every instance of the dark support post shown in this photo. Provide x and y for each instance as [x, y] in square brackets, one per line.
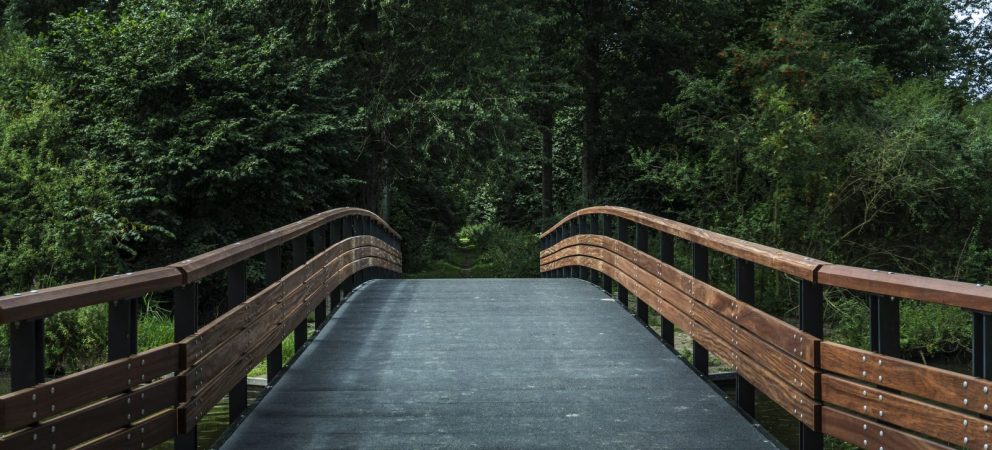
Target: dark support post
[701, 271]
[744, 286]
[810, 321]
[122, 328]
[319, 237]
[667, 257]
[273, 272]
[184, 310]
[237, 292]
[641, 238]
[608, 231]
[299, 257]
[594, 275]
[884, 319]
[622, 236]
[584, 229]
[336, 236]
[27, 353]
[981, 340]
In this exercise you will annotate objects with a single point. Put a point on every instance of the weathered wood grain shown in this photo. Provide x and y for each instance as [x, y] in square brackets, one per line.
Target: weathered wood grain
[958, 428]
[781, 260]
[97, 419]
[39, 402]
[934, 290]
[871, 435]
[932, 383]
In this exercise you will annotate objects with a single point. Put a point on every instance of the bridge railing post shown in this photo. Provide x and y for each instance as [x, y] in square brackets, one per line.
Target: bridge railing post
[641, 238]
[583, 229]
[335, 237]
[884, 324]
[273, 272]
[122, 328]
[185, 310]
[594, 227]
[299, 246]
[981, 341]
[608, 231]
[623, 231]
[237, 292]
[319, 238]
[667, 256]
[744, 291]
[810, 321]
[701, 272]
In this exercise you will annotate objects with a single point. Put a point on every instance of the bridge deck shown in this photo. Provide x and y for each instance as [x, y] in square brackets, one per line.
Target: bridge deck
[490, 364]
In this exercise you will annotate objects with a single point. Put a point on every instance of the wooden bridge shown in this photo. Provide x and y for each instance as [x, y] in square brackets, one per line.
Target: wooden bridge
[551, 362]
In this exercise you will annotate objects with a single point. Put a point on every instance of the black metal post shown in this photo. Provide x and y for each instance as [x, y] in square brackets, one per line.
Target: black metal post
[981, 341]
[299, 258]
[700, 271]
[122, 328]
[237, 292]
[273, 272]
[641, 238]
[608, 231]
[668, 257]
[884, 319]
[319, 237]
[744, 287]
[810, 321]
[622, 235]
[584, 229]
[27, 353]
[185, 311]
[594, 276]
[336, 233]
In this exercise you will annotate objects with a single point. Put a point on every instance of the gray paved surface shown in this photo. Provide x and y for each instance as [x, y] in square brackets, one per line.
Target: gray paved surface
[490, 364]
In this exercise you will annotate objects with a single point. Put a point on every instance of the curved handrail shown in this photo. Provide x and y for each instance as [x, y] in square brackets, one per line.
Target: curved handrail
[142, 399]
[971, 296]
[43, 302]
[869, 398]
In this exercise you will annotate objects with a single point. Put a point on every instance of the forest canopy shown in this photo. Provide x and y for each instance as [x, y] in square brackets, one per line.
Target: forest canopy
[137, 133]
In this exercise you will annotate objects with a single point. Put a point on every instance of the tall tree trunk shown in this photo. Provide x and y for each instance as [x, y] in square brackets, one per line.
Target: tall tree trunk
[591, 98]
[547, 163]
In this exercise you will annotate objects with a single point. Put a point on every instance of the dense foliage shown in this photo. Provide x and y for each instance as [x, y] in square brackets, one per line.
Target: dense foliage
[134, 133]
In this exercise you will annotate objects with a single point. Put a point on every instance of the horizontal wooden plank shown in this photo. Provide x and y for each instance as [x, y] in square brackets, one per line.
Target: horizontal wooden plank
[208, 390]
[790, 339]
[781, 260]
[970, 296]
[30, 405]
[44, 302]
[940, 423]
[213, 261]
[789, 397]
[932, 383]
[871, 435]
[144, 434]
[92, 421]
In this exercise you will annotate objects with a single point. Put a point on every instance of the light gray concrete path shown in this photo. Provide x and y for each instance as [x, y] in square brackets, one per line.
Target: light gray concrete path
[473, 363]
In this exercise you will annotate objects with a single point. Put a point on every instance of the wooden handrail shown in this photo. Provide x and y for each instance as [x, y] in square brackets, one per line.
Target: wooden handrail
[872, 399]
[971, 296]
[44, 302]
[162, 392]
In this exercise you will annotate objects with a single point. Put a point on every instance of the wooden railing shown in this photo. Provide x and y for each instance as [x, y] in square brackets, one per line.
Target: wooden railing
[869, 398]
[137, 400]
